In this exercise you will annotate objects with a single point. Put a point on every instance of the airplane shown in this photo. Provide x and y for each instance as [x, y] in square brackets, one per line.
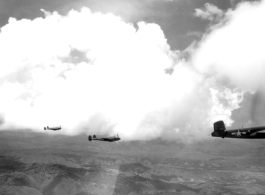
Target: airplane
[243, 133]
[107, 139]
[53, 128]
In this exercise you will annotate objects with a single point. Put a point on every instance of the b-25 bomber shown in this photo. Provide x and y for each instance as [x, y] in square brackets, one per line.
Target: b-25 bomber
[53, 128]
[243, 133]
[107, 139]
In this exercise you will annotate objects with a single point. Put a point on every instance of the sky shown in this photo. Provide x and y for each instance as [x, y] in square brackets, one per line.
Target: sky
[141, 69]
[175, 17]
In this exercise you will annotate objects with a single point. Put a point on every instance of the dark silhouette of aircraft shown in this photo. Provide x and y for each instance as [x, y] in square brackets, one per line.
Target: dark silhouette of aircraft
[53, 128]
[107, 139]
[243, 133]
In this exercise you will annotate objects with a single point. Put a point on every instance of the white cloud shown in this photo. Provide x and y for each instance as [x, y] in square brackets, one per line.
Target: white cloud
[210, 12]
[235, 50]
[115, 83]
[232, 54]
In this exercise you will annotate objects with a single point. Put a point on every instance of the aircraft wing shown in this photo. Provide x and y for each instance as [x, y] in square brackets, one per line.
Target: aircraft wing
[105, 139]
[53, 128]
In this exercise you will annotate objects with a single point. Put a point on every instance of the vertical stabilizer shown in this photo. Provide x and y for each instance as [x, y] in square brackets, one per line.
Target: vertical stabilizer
[219, 126]
[219, 129]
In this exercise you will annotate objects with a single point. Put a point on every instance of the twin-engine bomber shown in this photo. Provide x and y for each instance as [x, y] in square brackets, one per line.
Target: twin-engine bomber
[53, 128]
[243, 133]
[107, 139]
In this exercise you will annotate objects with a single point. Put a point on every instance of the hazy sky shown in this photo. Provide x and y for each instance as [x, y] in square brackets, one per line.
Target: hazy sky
[143, 69]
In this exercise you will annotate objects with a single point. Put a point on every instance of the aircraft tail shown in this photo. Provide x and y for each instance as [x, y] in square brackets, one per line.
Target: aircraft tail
[219, 126]
[90, 138]
[219, 129]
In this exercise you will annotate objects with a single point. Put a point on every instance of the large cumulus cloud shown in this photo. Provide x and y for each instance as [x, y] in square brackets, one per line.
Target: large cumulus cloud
[235, 49]
[232, 52]
[94, 73]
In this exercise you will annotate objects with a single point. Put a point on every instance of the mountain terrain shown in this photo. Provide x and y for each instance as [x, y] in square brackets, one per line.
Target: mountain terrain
[45, 164]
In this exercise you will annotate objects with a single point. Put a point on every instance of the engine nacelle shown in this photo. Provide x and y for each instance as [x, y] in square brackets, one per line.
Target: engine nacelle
[90, 138]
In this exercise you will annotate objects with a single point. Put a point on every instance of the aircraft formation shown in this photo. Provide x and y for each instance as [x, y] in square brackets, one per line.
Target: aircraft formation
[90, 138]
[219, 130]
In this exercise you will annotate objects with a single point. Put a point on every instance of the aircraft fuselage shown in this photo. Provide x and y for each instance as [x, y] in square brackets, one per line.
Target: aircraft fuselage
[243, 133]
